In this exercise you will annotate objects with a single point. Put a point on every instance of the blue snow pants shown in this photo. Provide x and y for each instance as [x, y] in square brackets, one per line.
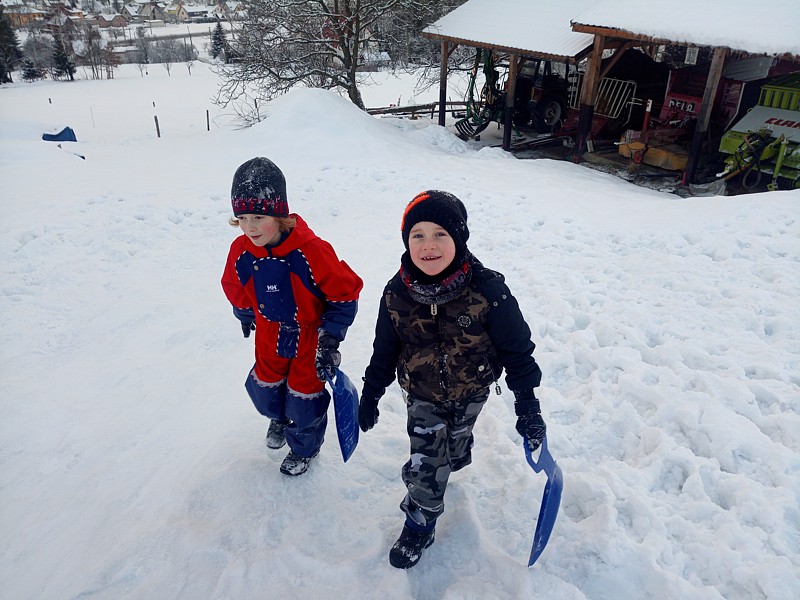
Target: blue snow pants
[307, 414]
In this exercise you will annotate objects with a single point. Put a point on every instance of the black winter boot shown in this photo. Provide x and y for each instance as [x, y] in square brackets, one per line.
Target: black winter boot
[294, 464]
[276, 434]
[407, 550]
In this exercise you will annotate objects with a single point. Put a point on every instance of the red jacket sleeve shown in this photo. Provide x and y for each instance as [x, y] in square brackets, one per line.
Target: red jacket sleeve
[231, 284]
[339, 285]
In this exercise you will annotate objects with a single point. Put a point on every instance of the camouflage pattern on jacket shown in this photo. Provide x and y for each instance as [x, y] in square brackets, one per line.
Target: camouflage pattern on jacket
[446, 355]
[455, 350]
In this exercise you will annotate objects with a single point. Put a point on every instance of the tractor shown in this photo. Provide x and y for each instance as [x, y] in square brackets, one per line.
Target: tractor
[547, 95]
[540, 101]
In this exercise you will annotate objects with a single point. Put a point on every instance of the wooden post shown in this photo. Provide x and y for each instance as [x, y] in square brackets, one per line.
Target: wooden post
[704, 116]
[158, 130]
[208, 122]
[591, 83]
[443, 83]
[614, 59]
[508, 121]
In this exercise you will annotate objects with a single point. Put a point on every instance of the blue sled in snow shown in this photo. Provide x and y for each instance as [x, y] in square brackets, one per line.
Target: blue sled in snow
[65, 135]
[551, 498]
[345, 410]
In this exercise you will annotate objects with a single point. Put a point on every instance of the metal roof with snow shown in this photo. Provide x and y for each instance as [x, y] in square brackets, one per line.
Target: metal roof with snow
[524, 27]
[771, 28]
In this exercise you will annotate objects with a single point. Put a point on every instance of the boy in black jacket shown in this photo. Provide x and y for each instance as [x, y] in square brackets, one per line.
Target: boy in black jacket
[447, 327]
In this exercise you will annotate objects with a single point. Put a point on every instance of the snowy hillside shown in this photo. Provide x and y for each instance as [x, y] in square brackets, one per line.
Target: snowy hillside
[132, 464]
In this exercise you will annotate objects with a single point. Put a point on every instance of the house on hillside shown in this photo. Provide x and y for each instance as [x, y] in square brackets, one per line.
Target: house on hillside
[104, 21]
[234, 10]
[60, 24]
[176, 13]
[202, 13]
[219, 13]
[20, 14]
[153, 11]
[131, 12]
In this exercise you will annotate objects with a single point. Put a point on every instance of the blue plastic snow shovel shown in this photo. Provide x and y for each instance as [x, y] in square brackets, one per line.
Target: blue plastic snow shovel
[551, 498]
[345, 410]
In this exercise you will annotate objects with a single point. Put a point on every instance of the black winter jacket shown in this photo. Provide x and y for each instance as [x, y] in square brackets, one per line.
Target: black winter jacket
[456, 349]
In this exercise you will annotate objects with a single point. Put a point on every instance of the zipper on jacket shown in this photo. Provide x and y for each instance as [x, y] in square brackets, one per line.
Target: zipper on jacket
[440, 353]
[496, 379]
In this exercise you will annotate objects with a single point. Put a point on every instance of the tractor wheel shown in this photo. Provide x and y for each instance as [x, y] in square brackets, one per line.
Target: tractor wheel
[548, 114]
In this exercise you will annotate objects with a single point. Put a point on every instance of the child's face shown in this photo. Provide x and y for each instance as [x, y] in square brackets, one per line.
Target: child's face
[261, 229]
[431, 248]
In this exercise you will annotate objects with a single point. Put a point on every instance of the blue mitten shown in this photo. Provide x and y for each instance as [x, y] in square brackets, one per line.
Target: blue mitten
[248, 319]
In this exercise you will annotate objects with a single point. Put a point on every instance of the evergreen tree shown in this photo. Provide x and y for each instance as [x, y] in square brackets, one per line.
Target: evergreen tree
[9, 49]
[219, 43]
[31, 72]
[63, 66]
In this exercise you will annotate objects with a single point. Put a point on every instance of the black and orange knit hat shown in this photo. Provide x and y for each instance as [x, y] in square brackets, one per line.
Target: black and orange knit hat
[259, 188]
[442, 208]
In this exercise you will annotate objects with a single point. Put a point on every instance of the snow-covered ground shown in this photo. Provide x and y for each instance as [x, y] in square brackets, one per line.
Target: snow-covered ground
[132, 464]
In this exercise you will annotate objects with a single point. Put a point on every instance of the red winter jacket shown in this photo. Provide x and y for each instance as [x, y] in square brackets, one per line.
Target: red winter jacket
[295, 288]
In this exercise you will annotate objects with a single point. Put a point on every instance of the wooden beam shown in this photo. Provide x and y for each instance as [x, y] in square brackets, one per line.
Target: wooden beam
[704, 116]
[591, 82]
[443, 84]
[508, 124]
[614, 59]
[508, 49]
[591, 79]
[612, 32]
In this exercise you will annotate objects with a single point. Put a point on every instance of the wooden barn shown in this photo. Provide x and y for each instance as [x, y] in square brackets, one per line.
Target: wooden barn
[675, 76]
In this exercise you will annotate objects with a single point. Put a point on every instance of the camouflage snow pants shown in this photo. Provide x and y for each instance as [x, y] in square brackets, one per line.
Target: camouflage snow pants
[441, 442]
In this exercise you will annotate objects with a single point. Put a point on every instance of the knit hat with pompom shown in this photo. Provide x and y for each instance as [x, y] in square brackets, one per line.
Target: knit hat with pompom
[442, 208]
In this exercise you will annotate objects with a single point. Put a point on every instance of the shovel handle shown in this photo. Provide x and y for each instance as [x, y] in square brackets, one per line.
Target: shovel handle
[545, 462]
[331, 379]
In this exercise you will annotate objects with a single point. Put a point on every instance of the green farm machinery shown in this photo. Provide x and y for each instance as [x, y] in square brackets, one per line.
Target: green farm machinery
[764, 145]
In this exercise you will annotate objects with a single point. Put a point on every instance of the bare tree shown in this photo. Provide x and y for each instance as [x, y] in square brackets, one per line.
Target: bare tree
[110, 61]
[93, 56]
[167, 52]
[400, 33]
[38, 52]
[189, 54]
[317, 43]
[143, 51]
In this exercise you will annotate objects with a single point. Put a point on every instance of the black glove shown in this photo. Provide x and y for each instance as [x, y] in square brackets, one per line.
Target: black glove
[530, 424]
[328, 356]
[248, 319]
[368, 412]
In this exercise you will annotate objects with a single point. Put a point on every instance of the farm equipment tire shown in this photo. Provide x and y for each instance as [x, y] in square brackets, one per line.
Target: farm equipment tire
[548, 114]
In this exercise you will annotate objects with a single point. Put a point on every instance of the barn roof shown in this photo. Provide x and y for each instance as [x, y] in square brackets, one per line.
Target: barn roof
[771, 28]
[544, 28]
[538, 28]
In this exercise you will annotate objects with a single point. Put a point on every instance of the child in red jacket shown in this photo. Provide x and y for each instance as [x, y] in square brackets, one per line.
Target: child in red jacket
[288, 285]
